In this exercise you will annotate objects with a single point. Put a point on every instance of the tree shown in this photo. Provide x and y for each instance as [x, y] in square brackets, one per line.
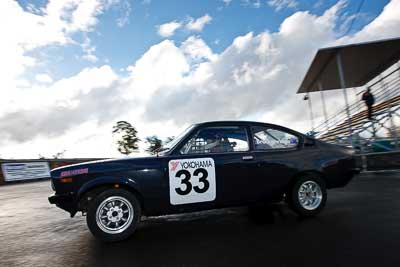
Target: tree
[128, 141]
[59, 155]
[154, 144]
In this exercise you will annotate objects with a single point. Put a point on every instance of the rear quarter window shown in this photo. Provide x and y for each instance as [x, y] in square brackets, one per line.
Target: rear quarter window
[266, 138]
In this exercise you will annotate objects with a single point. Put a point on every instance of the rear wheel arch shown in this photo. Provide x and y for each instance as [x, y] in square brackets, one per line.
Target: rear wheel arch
[298, 175]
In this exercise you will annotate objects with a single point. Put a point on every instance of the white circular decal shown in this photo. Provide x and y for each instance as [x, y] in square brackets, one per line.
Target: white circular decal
[191, 180]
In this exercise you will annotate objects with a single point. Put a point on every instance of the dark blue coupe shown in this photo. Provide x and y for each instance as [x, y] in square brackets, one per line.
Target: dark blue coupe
[210, 165]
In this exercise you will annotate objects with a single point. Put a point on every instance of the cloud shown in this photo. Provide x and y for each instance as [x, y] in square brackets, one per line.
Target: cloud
[63, 105]
[318, 4]
[89, 50]
[385, 25]
[83, 15]
[125, 9]
[196, 50]
[43, 78]
[282, 4]
[258, 75]
[252, 3]
[348, 19]
[168, 29]
[227, 2]
[56, 24]
[27, 31]
[164, 61]
[199, 23]
[90, 57]
[174, 84]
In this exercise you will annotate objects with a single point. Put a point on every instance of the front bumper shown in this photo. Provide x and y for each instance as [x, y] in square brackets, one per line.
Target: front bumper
[65, 202]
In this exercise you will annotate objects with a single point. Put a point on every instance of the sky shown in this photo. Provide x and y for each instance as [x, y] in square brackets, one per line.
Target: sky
[71, 69]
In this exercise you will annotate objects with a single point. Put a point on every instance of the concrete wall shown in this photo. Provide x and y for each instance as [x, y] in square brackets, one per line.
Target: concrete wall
[382, 161]
[53, 163]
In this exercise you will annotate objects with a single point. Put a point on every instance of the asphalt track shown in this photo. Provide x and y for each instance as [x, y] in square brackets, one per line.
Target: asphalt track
[360, 226]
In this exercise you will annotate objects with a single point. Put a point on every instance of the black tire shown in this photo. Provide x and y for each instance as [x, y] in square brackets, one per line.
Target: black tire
[293, 199]
[129, 225]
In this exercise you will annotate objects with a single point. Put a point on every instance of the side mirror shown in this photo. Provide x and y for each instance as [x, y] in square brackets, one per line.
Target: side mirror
[309, 142]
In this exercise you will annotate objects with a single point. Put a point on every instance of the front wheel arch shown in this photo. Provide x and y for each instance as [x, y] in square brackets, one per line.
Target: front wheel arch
[90, 192]
[106, 225]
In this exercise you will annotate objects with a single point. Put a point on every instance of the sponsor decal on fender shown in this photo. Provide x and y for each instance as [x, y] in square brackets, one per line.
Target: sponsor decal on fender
[74, 172]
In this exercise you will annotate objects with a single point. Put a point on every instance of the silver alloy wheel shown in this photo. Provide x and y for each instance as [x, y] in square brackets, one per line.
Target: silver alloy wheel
[114, 215]
[310, 195]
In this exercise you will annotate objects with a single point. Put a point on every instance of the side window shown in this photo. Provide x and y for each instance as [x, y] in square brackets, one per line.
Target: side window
[268, 138]
[217, 140]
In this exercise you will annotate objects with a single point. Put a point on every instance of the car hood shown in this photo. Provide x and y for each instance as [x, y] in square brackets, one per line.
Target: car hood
[108, 165]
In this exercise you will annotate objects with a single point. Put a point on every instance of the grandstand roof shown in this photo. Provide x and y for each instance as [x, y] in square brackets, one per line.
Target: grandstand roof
[361, 62]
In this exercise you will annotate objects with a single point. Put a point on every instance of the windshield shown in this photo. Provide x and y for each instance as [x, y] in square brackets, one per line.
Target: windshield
[176, 140]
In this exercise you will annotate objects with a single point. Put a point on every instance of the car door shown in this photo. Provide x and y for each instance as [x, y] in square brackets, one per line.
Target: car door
[276, 153]
[211, 169]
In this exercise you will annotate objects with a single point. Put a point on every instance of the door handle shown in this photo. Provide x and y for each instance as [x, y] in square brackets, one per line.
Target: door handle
[247, 157]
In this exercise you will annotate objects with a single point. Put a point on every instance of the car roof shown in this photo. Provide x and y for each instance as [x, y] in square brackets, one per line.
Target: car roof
[240, 122]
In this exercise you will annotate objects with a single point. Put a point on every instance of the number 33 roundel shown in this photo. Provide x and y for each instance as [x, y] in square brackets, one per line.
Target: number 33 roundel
[191, 180]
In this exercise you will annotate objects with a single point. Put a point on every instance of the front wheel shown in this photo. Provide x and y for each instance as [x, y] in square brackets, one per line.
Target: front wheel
[113, 215]
[307, 197]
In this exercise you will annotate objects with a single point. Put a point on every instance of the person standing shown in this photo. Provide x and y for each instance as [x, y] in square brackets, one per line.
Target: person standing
[369, 100]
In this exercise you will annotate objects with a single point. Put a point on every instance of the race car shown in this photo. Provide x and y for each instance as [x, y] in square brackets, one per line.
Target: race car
[210, 165]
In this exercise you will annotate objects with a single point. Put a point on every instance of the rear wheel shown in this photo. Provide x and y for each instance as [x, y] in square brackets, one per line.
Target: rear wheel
[113, 215]
[307, 197]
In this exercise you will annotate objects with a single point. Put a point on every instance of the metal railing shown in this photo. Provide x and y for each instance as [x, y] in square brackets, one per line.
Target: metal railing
[368, 135]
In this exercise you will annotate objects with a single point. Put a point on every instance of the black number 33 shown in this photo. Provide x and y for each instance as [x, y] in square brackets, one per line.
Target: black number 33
[202, 179]
[186, 181]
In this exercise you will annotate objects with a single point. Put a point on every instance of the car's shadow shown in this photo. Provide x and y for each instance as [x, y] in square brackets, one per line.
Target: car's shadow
[218, 237]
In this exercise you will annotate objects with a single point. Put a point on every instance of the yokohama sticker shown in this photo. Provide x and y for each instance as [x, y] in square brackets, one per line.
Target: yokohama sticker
[191, 180]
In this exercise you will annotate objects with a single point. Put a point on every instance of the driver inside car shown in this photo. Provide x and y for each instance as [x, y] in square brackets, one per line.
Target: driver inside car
[213, 143]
